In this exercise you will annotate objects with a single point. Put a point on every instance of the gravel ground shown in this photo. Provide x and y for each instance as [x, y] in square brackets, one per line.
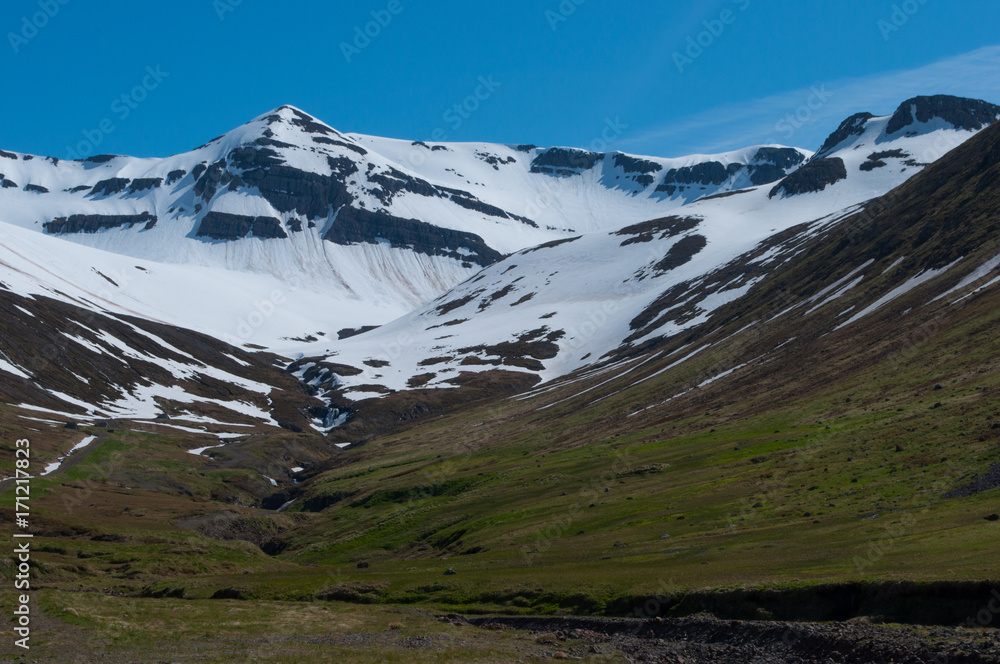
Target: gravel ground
[705, 639]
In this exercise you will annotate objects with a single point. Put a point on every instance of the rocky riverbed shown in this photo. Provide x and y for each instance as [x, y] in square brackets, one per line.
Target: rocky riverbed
[709, 640]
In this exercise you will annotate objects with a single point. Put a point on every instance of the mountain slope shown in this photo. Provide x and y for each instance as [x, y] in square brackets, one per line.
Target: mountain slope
[555, 308]
[770, 430]
[874, 288]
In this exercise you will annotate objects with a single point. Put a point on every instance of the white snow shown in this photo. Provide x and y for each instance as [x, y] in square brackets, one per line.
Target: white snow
[54, 466]
[834, 296]
[902, 289]
[991, 282]
[200, 451]
[979, 273]
[36, 419]
[9, 367]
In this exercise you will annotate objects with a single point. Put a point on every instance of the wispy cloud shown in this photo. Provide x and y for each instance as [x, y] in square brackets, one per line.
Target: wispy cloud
[805, 117]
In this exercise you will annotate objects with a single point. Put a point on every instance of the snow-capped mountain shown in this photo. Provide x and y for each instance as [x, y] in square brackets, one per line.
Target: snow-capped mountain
[287, 236]
[367, 228]
[555, 308]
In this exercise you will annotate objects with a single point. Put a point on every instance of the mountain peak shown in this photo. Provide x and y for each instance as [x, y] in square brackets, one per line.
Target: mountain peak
[914, 117]
[295, 117]
[852, 126]
[283, 127]
[960, 112]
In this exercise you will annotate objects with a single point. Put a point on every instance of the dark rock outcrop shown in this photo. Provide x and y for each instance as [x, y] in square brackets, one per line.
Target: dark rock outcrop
[876, 159]
[550, 244]
[37, 188]
[663, 228]
[236, 183]
[496, 161]
[110, 187]
[100, 158]
[326, 140]
[393, 181]
[781, 157]
[224, 226]
[310, 195]
[638, 170]
[565, 162]
[267, 141]
[852, 126]
[142, 184]
[473, 203]
[631, 164]
[307, 122]
[761, 174]
[989, 481]
[267, 228]
[349, 332]
[247, 157]
[771, 164]
[212, 177]
[92, 223]
[356, 226]
[709, 173]
[815, 176]
[962, 113]
[682, 252]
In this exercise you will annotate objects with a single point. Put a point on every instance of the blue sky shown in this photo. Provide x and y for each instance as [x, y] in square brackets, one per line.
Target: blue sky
[157, 78]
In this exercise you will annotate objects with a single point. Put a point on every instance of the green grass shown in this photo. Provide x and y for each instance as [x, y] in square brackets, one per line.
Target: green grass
[793, 479]
[114, 629]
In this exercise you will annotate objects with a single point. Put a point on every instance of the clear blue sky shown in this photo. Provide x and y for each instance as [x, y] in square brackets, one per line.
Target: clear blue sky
[560, 81]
